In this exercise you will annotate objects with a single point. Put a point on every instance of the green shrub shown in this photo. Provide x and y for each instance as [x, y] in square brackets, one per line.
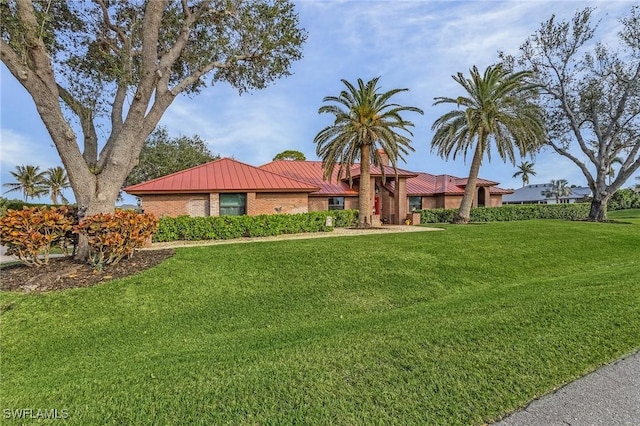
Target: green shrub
[230, 227]
[624, 199]
[577, 211]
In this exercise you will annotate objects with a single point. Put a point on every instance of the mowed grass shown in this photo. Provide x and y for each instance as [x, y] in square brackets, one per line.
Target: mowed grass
[460, 326]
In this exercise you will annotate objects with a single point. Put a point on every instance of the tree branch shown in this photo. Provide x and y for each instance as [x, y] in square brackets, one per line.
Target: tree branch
[580, 164]
[107, 20]
[85, 115]
[631, 87]
[37, 78]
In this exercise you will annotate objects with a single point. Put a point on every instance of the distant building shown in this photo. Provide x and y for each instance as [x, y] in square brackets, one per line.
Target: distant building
[534, 194]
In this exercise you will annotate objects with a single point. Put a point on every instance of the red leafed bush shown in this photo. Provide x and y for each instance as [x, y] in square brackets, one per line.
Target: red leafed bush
[114, 236]
[30, 233]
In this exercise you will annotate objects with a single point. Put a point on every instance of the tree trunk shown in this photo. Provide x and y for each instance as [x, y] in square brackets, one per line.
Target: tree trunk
[598, 211]
[98, 195]
[601, 195]
[464, 213]
[364, 192]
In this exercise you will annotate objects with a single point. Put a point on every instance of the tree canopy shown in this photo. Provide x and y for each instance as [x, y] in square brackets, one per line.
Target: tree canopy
[162, 155]
[591, 97]
[29, 181]
[558, 189]
[525, 169]
[102, 73]
[290, 154]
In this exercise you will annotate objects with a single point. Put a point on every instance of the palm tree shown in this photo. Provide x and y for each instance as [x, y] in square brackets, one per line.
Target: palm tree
[500, 107]
[55, 179]
[364, 122]
[559, 188]
[30, 181]
[525, 169]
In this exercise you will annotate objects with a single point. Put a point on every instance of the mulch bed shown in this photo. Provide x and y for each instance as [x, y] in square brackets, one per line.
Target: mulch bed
[64, 273]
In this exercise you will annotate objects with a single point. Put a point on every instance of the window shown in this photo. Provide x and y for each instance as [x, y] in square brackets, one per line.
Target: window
[415, 203]
[336, 203]
[233, 204]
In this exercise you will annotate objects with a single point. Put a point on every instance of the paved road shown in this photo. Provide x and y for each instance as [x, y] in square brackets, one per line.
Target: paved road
[609, 396]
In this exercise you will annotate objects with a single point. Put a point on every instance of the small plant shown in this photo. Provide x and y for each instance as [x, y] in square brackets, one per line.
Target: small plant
[30, 233]
[113, 237]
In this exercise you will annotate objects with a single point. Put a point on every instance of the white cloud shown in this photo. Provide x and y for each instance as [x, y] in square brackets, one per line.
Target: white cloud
[18, 149]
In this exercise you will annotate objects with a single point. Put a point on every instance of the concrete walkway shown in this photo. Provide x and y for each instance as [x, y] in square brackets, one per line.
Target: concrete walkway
[609, 396]
[337, 232]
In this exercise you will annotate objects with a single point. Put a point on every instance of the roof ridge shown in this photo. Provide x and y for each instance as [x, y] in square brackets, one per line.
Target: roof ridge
[179, 171]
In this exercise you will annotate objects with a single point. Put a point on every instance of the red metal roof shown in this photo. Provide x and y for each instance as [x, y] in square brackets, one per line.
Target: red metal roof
[223, 175]
[428, 184]
[388, 172]
[227, 175]
[417, 183]
[311, 172]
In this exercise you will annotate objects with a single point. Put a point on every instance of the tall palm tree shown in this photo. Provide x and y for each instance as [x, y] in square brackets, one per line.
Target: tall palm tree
[559, 188]
[55, 179]
[525, 169]
[499, 107]
[30, 181]
[365, 121]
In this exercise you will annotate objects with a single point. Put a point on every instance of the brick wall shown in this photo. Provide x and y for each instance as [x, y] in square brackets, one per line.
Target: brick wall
[273, 203]
[351, 203]
[496, 201]
[318, 204]
[176, 205]
[429, 202]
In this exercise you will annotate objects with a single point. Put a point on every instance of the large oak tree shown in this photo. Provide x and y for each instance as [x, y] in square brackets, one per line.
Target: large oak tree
[102, 73]
[591, 95]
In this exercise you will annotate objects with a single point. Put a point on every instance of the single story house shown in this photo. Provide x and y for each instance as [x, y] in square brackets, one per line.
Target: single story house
[229, 187]
[535, 194]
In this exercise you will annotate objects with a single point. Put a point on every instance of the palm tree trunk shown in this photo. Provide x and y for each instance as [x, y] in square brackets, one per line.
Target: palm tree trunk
[464, 213]
[364, 192]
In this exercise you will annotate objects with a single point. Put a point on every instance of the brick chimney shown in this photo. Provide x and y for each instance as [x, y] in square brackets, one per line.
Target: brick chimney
[384, 158]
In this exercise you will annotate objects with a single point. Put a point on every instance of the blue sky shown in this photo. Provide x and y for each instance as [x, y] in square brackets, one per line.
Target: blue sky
[417, 45]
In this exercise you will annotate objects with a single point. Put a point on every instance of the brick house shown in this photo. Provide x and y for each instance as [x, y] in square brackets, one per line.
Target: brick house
[229, 187]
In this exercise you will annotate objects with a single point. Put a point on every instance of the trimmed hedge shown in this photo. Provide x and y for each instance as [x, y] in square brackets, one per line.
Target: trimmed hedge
[229, 227]
[577, 211]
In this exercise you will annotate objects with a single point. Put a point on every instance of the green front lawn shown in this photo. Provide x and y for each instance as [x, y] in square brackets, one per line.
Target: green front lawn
[453, 327]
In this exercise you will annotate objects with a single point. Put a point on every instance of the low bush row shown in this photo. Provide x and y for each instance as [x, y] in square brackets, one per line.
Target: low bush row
[577, 211]
[229, 227]
[32, 232]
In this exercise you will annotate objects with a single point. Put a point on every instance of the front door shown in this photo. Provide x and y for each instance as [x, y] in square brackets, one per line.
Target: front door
[376, 205]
